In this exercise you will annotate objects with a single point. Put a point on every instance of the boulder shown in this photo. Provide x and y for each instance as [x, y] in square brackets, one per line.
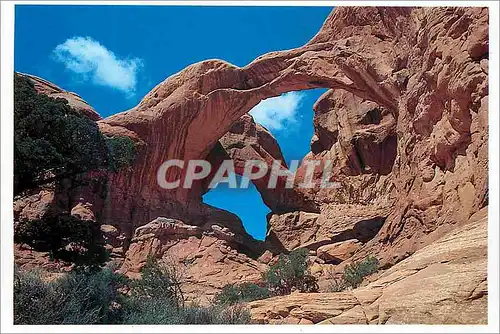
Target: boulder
[338, 251]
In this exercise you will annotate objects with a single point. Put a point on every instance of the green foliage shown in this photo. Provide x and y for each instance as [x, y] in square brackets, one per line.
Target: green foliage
[157, 299]
[159, 280]
[245, 292]
[121, 152]
[66, 237]
[219, 314]
[354, 274]
[356, 271]
[95, 297]
[76, 298]
[51, 140]
[157, 311]
[290, 272]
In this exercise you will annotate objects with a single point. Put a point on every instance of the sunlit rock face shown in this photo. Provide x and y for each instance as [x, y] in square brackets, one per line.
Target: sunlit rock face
[405, 120]
[453, 270]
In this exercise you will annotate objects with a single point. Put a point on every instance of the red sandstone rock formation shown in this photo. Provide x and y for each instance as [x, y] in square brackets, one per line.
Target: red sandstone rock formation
[212, 95]
[246, 141]
[207, 258]
[405, 121]
[409, 156]
[453, 269]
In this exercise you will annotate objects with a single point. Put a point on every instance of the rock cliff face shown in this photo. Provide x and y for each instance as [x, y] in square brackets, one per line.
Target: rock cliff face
[453, 269]
[405, 121]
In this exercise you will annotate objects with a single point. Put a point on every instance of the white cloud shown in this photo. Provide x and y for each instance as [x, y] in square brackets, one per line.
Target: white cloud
[277, 112]
[91, 60]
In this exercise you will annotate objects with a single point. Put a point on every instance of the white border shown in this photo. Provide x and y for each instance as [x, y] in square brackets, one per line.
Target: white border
[7, 72]
[7, 163]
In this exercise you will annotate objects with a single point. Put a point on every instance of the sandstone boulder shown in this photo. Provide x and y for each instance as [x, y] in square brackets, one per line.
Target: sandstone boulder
[83, 211]
[339, 251]
[206, 262]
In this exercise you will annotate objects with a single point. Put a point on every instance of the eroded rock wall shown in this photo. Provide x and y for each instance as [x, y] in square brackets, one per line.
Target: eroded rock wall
[418, 165]
[452, 269]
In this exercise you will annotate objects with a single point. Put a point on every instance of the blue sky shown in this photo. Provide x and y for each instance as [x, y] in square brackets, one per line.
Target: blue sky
[113, 55]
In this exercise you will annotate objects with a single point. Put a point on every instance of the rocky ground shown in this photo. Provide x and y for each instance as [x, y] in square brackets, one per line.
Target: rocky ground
[442, 283]
[405, 120]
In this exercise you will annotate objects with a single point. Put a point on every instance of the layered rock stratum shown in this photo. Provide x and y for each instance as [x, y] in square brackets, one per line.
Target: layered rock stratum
[405, 121]
[443, 283]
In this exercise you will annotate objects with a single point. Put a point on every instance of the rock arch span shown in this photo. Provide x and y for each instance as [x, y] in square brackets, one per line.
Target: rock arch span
[184, 116]
[425, 67]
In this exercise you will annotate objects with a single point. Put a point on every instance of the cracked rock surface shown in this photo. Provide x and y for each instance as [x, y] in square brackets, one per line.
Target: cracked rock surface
[442, 283]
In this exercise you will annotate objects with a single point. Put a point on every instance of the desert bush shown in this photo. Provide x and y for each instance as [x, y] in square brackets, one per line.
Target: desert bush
[65, 237]
[233, 315]
[337, 284]
[218, 314]
[121, 152]
[76, 298]
[245, 292]
[157, 299]
[354, 274]
[157, 311]
[153, 311]
[159, 280]
[290, 272]
[94, 297]
[308, 283]
[51, 140]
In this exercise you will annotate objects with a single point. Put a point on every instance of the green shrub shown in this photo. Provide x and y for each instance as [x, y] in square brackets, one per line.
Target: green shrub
[232, 315]
[161, 312]
[76, 298]
[157, 299]
[218, 314]
[357, 271]
[150, 311]
[66, 237]
[290, 272]
[121, 152]
[245, 292]
[94, 297]
[51, 140]
[159, 280]
[354, 274]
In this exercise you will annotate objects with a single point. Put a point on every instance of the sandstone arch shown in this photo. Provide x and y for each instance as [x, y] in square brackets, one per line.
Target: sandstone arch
[213, 94]
[427, 67]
